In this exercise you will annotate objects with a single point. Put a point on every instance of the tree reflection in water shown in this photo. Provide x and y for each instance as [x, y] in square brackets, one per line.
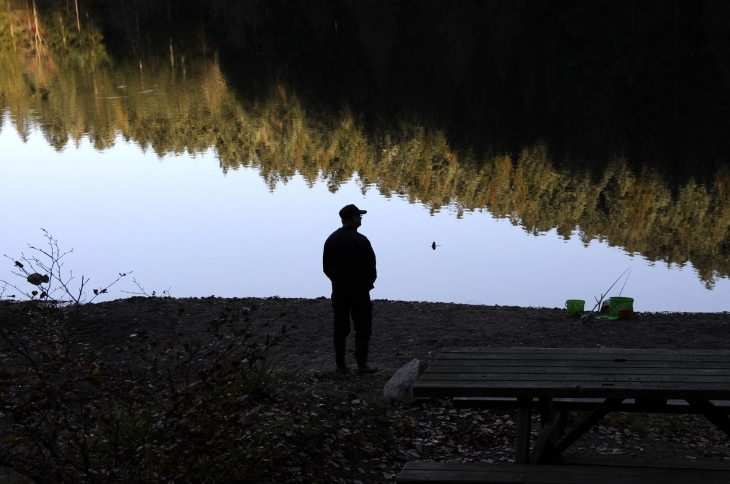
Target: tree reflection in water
[599, 117]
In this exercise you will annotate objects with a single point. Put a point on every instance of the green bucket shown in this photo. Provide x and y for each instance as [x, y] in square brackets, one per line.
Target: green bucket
[574, 306]
[616, 303]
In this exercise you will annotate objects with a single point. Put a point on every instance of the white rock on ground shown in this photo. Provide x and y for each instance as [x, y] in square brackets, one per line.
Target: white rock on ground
[400, 385]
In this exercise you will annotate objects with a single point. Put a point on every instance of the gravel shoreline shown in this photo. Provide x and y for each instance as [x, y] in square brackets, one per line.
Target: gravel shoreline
[404, 330]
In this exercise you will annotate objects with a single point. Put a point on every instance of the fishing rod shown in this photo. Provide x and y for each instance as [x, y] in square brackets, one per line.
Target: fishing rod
[599, 301]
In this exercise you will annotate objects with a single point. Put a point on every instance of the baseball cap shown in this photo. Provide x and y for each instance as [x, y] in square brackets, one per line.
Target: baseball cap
[351, 210]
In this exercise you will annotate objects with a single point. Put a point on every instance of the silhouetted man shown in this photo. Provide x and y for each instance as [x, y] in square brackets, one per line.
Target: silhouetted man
[349, 262]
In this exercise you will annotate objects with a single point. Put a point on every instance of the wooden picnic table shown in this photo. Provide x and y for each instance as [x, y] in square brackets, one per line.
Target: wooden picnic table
[646, 378]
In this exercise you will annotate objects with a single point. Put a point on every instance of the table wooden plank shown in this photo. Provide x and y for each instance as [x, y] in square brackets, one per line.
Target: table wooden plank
[596, 351]
[578, 378]
[444, 356]
[585, 466]
[457, 473]
[569, 389]
[550, 433]
[588, 404]
[570, 372]
[515, 366]
[609, 405]
[577, 387]
[573, 460]
[571, 386]
[524, 424]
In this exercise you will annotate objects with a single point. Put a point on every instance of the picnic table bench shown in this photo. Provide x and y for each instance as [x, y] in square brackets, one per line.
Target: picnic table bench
[634, 473]
[555, 381]
[588, 404]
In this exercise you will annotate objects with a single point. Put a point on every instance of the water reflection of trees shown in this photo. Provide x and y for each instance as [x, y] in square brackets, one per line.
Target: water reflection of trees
[70, 88]
[595, 80]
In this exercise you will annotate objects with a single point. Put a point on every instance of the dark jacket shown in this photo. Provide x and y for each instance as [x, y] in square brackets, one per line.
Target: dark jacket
[349, 260]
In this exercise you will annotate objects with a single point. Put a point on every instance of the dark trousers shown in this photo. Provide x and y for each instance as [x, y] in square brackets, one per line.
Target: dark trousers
[355, 303]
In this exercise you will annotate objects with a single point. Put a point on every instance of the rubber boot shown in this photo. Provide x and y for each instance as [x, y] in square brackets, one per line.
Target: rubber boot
[340, 344]
[362, 347]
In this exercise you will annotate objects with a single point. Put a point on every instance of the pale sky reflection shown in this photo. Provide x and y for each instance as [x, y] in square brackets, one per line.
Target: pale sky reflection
[179, 223]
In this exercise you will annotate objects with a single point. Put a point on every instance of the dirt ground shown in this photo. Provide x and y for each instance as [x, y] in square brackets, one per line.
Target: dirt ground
[404, 330]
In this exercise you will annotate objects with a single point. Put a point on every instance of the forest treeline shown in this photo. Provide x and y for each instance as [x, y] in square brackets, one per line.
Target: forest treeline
[60, 75]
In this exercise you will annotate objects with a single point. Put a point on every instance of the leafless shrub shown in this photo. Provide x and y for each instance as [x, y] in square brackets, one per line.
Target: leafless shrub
[209, 408]
[52, 285]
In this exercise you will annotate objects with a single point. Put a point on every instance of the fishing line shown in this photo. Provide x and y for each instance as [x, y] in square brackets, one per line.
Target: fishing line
[627, 280]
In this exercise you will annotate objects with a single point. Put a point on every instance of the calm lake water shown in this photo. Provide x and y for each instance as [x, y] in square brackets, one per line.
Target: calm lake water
[159, 166]
[180, 224]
